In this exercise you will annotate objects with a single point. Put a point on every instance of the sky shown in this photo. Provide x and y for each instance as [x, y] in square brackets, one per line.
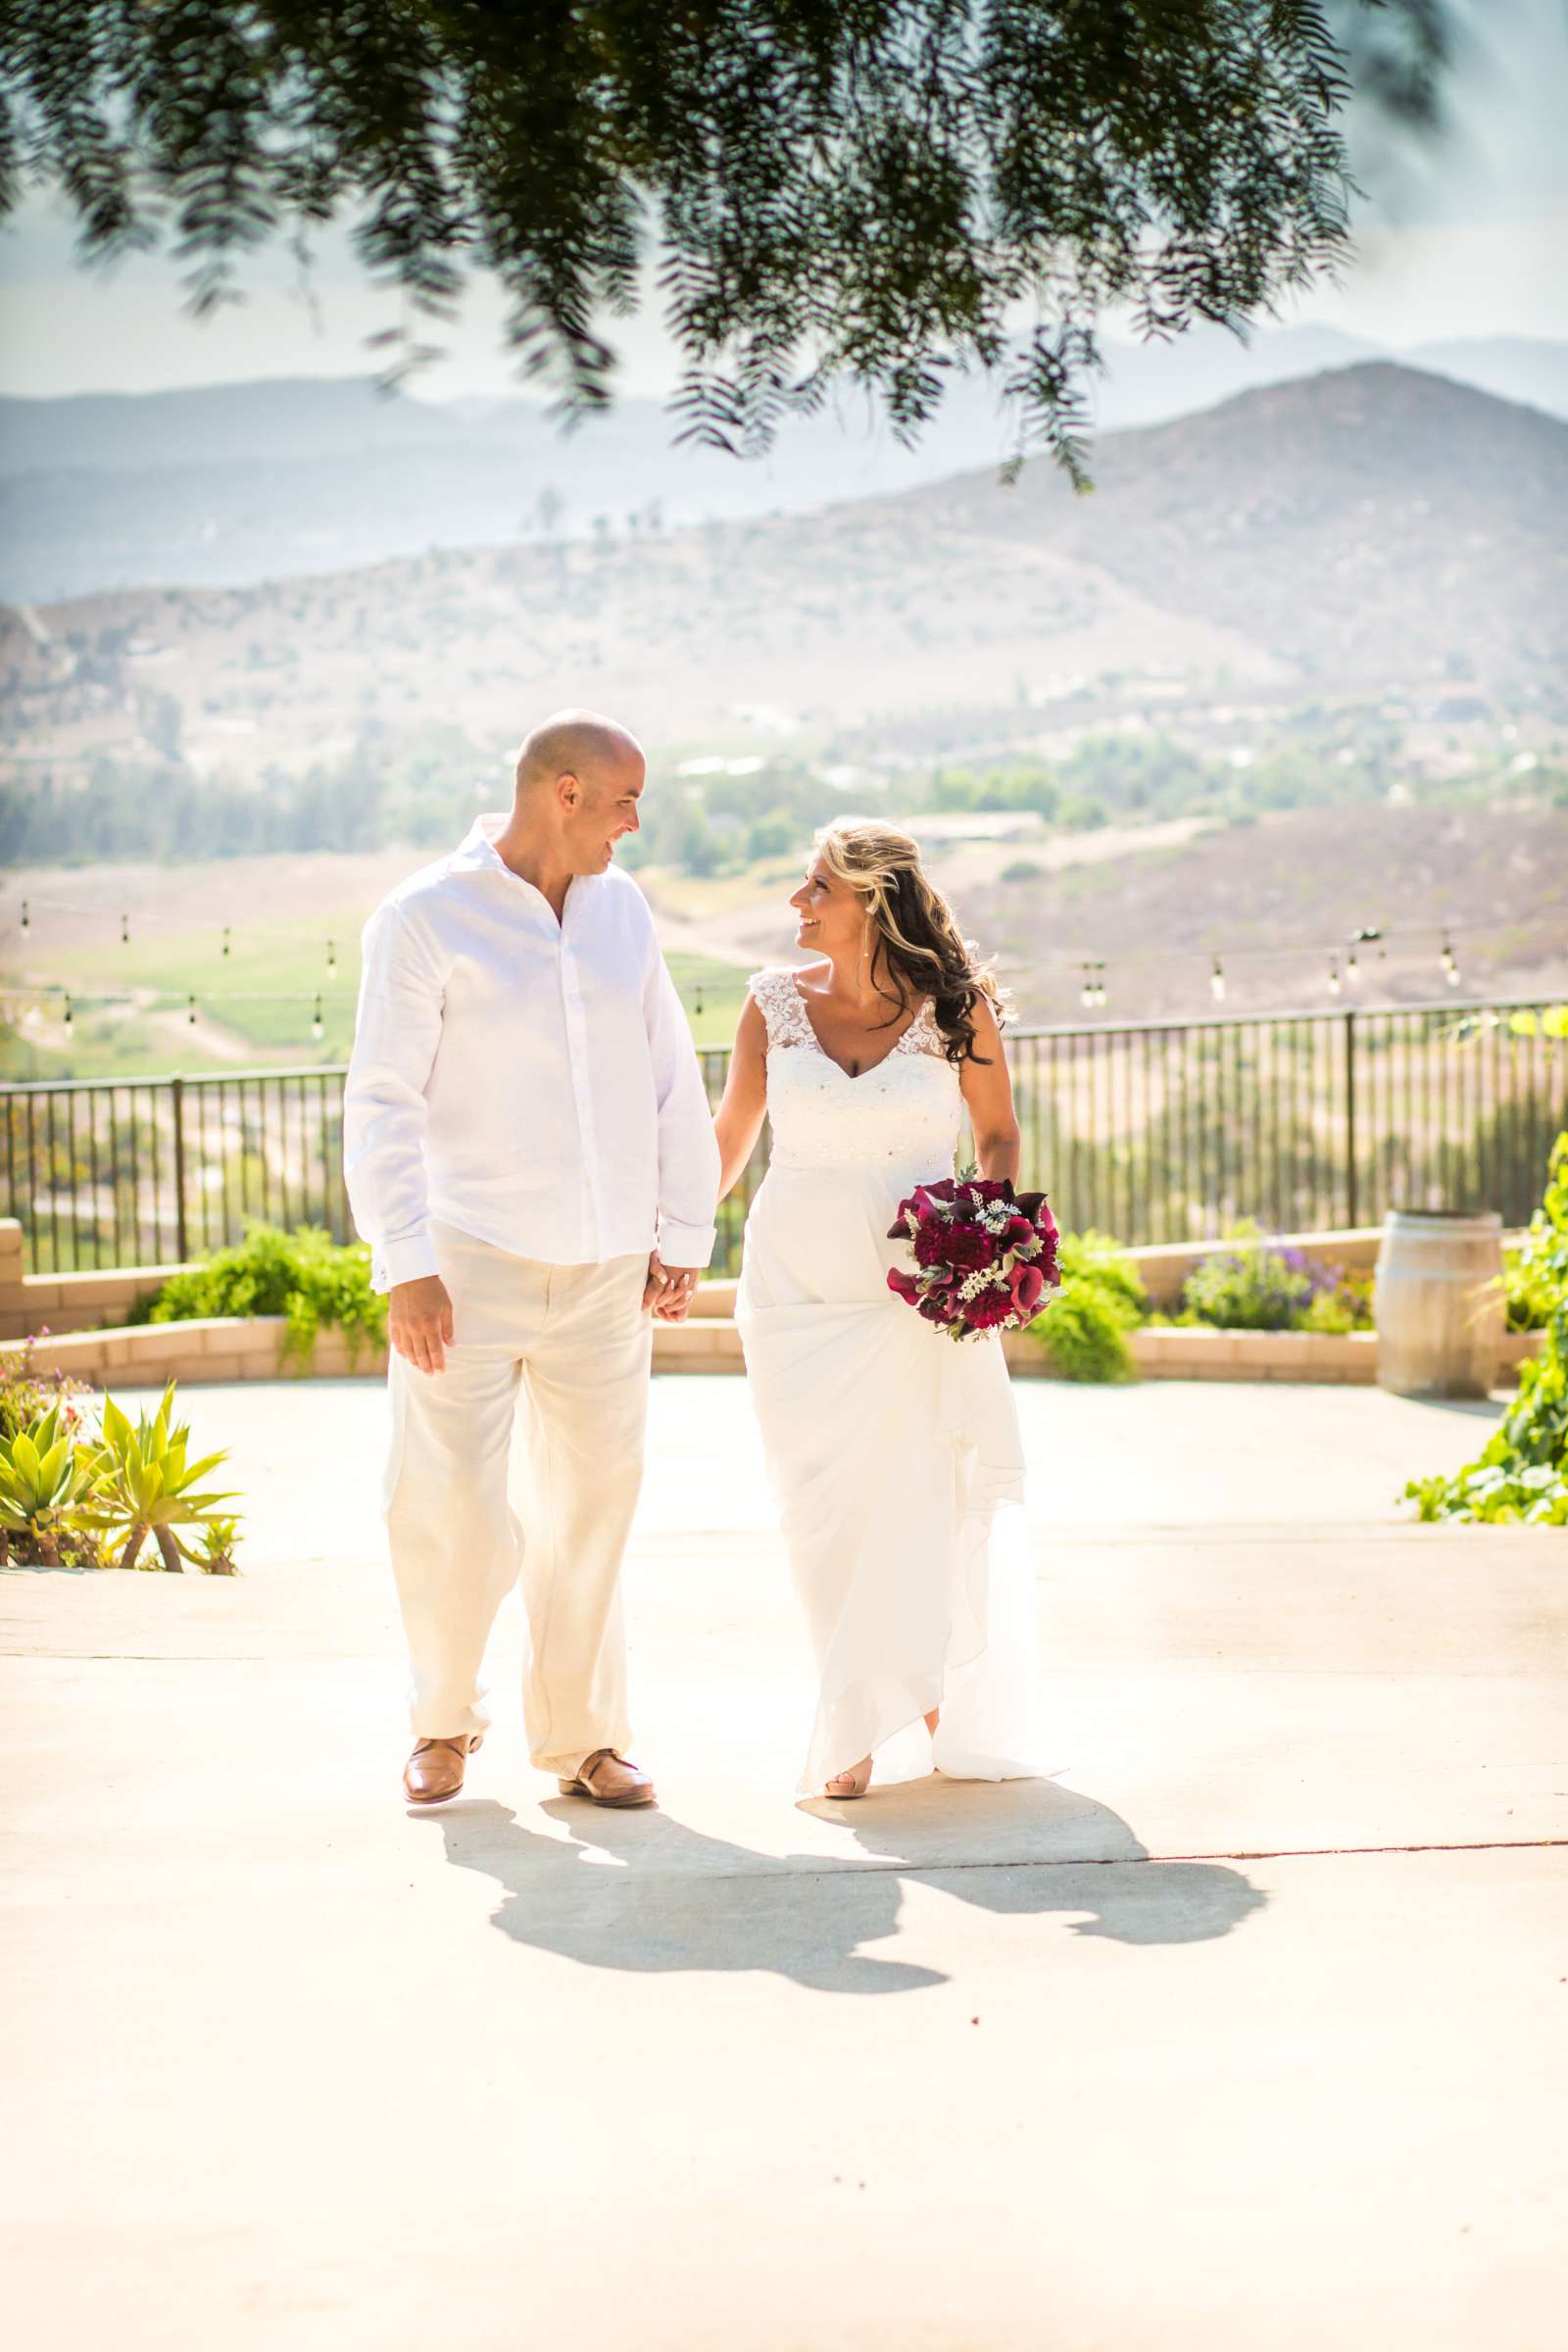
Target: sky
[1466, 240]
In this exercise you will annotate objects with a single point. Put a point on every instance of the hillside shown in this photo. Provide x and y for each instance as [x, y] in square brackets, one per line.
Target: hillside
[1365, 529]
[226, 485]
[1373, 524]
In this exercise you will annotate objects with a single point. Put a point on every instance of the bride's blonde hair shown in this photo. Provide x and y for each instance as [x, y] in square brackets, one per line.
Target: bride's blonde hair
[918, 947]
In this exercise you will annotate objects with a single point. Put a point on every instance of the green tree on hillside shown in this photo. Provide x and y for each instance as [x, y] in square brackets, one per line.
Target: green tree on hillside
[868, 190]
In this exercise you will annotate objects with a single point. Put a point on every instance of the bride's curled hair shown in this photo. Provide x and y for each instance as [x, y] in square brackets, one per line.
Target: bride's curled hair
[918, 948]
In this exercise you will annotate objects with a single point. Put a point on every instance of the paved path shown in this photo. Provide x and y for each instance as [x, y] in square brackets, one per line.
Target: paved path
[1245, 2031]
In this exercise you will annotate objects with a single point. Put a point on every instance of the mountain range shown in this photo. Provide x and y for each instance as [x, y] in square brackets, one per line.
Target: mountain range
[1370, 532]
[230, 485]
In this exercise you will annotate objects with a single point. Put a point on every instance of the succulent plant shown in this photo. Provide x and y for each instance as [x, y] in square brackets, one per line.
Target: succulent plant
[45, 1479]
[145, 1486]
[214, 1553]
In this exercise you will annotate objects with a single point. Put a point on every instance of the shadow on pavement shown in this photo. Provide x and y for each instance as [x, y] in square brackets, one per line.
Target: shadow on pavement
[643, 1891]
[1035, 1846]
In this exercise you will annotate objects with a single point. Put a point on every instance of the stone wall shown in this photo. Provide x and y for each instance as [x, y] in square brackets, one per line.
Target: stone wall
[82, 1316]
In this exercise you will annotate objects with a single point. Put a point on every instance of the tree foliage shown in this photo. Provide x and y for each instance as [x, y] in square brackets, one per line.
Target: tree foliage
[864, 192]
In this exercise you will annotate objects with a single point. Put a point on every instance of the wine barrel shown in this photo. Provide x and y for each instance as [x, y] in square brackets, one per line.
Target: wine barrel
[1439, 1303]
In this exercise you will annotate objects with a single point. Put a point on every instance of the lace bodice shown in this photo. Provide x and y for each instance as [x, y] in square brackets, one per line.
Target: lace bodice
[905, 1110]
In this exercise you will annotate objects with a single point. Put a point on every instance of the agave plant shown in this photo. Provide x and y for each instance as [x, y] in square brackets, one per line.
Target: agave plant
[146, 1487]
[45, 1479]
[215, 1540]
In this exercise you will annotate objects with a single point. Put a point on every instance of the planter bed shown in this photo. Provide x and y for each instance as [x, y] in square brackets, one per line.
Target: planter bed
[250, 1348]
[222, 1347]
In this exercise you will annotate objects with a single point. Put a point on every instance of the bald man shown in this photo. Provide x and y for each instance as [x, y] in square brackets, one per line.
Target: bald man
[529, 1153]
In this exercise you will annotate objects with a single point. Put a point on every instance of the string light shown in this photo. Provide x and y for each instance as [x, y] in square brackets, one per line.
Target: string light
[1451, 963]
[1345, 968]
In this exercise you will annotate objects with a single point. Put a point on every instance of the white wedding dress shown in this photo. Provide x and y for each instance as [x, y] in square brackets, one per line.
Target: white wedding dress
[893, 1450]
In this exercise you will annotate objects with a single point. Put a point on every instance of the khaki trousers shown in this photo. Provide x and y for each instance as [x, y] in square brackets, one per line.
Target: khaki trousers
[566, 1352]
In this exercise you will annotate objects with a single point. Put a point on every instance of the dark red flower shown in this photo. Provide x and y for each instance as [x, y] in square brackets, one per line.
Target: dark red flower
[987, 1309]
[904, 1283]
[931, 1245]
[1026, 1284]
[969, 1246]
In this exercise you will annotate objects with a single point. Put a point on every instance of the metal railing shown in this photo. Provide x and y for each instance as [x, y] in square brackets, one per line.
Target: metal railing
[1152, 1131]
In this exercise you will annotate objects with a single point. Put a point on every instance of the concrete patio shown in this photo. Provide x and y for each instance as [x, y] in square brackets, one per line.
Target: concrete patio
[1244, 2030]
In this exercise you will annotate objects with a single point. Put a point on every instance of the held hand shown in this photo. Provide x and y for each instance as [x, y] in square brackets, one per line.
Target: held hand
[669, 1290]
[419, 1321]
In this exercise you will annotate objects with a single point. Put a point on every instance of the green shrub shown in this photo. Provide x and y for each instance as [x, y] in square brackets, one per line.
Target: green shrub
[1528, 1280]
[1098, 1259]
[1083, 1333]
[1521, 1473]
[1100, 1300]
[304, 1276]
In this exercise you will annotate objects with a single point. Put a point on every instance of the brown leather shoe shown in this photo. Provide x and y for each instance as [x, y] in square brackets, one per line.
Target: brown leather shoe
[434, 1770]
[609, 1780]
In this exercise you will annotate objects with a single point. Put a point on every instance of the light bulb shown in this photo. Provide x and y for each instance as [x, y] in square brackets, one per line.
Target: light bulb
[191, 1015]
[1335, 982]
[1217, 982]
[331, 957]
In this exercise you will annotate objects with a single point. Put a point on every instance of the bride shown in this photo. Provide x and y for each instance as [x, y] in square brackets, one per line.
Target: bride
[893, 1450]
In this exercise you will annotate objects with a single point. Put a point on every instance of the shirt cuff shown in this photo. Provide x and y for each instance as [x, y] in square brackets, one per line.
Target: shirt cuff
[685, 1244]
[407, 1259]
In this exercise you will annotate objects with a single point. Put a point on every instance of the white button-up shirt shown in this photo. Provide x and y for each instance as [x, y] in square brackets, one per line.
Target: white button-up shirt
[533, 1082]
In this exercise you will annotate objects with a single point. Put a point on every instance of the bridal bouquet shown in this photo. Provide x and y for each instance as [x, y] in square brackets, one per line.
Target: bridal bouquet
[984, 1254]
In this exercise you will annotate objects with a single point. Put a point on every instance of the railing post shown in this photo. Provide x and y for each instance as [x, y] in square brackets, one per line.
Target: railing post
[178, 1089]
[1351, 1202]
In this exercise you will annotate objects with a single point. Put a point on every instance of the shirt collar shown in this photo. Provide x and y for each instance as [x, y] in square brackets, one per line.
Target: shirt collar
[477, 846]
[477, 852]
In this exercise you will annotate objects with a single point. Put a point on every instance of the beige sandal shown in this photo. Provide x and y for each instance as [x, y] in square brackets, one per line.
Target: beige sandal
[851, 1784]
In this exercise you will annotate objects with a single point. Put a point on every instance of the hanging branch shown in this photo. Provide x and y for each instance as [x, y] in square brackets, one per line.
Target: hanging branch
[875, 192]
